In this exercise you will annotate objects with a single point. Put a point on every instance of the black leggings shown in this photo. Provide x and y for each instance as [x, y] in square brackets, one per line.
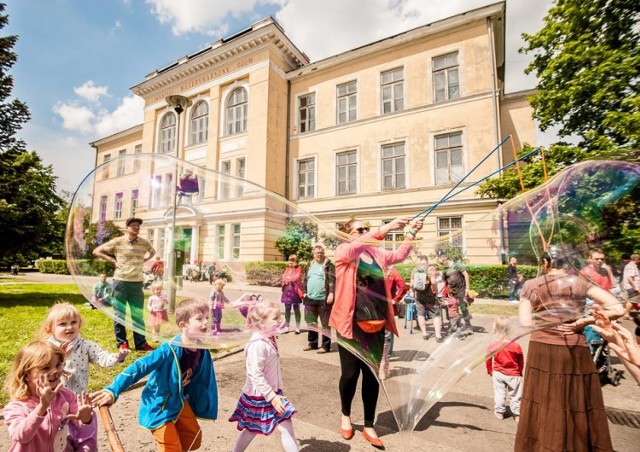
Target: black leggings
[351, 365]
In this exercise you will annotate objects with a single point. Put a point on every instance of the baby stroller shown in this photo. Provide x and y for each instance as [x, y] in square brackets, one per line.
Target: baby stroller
[602, 358]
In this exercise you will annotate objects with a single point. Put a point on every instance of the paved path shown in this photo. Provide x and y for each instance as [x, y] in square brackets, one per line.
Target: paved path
[461, 421]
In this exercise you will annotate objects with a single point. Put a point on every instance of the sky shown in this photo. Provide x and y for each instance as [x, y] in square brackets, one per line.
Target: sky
[78, 59]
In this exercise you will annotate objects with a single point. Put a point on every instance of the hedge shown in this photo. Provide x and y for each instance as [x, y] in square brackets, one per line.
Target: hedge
[490, 281]
[85, 267]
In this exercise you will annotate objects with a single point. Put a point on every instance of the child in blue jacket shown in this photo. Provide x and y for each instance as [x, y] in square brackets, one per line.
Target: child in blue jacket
[181, 386]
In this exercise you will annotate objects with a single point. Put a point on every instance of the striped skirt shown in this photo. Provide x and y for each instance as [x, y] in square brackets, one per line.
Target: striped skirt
[257, 415]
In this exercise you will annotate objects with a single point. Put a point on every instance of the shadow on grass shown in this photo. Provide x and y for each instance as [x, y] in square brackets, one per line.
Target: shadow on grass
[39, 299]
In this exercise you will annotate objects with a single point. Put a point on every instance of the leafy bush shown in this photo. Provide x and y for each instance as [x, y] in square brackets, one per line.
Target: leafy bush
[266, 273]
[57, 266]
[85, 267]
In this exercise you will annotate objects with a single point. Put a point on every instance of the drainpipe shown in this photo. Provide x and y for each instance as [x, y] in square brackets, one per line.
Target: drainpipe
[494, 90]
[287, 146]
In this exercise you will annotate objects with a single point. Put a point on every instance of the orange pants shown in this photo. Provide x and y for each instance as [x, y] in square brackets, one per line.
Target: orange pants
[180, 435]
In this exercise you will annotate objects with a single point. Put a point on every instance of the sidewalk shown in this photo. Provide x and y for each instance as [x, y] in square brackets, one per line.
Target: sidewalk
[461, 421]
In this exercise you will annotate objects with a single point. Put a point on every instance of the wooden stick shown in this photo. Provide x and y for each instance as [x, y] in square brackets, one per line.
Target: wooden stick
[112, 434]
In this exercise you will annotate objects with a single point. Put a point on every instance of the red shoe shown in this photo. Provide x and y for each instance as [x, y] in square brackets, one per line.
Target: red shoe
[375, 442]
[124, 347]
[145, 348]
[346, 433]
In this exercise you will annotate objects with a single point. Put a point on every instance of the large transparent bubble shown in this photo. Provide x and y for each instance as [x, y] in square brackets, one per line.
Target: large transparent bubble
[591, 206]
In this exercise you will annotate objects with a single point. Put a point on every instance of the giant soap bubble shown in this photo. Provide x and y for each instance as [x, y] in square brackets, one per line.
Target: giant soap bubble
[588, 206]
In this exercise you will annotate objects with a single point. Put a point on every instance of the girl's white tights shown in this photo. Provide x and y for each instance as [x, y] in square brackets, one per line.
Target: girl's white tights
[287, 435]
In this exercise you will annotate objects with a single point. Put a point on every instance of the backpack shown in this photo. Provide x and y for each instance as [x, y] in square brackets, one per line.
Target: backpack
[419, 280]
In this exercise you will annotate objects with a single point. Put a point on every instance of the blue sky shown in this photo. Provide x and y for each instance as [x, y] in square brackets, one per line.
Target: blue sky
[77, 59]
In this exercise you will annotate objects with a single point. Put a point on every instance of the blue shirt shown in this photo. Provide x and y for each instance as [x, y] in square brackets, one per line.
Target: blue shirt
[315, 282]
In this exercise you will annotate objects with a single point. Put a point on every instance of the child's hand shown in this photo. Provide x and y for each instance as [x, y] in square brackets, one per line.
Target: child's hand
[102, 398]
[277, 404]
[44, 390]
[84, 408]
[122, 354]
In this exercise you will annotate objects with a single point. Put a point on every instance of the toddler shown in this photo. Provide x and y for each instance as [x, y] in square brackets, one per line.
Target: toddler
[42, 414]
[181, 386]
[262, 407]
[157, 307]
[455, 323]
[217, 299]
[505, 366]
[62, 328]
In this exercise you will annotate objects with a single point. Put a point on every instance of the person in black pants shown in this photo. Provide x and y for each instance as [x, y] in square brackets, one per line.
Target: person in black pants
[318, 286]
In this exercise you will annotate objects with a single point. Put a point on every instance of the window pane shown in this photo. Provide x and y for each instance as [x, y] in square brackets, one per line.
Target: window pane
[456, 157]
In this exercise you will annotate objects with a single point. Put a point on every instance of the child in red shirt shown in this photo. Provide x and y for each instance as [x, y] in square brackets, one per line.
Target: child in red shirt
[505, 366]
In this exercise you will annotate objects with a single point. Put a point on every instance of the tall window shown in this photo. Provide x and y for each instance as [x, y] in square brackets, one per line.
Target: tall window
[346, 173]
[393, 168]
[392, 90]
[168, 133]
[448, 225]
[446, 81]
[241, 169]
[237, 110]
[121, 162]
[225, 168]
[347, 97]
[393, 239]
[134, 201]
[220, 244]
[235, 243]
[137, 151]
[156, 191]
[160, 244]
[117, 207]
[167, 191]
[103, 208]
[307, 113]
[306, 178]
[199, 123]
[105, 168]
[449, 158]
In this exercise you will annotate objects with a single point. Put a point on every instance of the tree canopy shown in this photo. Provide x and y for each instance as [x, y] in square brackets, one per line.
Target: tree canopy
[30, 210]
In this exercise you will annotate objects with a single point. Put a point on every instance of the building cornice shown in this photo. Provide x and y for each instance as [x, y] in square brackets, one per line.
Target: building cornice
[447, 25]
[260, 34]
[118, 135]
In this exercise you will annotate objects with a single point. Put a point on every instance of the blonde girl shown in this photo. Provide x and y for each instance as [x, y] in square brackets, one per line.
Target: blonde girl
[62, 328]
[217, 300]
[262, 407]
[42, 414]
[157, 306]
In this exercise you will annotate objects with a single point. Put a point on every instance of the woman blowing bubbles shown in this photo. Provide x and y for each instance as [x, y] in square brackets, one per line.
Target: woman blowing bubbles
[362, 310]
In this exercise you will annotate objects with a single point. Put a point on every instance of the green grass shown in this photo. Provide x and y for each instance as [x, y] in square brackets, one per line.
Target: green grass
[494, 309]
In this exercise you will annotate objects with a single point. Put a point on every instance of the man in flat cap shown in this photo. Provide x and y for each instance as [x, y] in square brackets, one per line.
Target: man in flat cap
[128, 253]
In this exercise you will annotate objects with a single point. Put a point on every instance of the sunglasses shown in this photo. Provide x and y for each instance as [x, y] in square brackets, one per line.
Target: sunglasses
[362, 230]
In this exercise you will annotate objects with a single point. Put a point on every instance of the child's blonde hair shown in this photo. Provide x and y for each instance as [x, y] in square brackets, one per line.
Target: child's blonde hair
[190, 307]
[60, 310]
[35, 355]
[502, 326]
[219, 282]
[261, 311]
[156, 285]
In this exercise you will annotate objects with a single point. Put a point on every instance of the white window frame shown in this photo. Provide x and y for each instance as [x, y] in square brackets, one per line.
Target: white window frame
[102, 212]
[137, 152]
[241, 173]
[105, 169]
[135, 197]
[236, 112]
[456, 241]
[350, 98]
[221, 230]
[199, 123]
[307, 184]
[236, 241]
[308, 124]
[392, 85]
[167, 143]
[120, 170]
[446, 71]
[393, 159]
[393, 239]
[337, 166]
[117, 205]
[156, 191]
[448, 149]
[224, 189]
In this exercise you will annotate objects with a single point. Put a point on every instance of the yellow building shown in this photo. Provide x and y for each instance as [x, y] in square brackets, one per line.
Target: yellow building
[379, 131]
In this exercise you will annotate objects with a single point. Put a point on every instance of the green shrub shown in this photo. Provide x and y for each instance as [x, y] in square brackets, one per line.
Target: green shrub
[85, 267]
[266, 273]
[57, 266]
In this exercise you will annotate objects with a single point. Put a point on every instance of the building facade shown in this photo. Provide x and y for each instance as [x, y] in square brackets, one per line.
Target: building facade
[383, 130]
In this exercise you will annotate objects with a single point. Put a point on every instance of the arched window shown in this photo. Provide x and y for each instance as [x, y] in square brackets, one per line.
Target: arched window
[199, 123]
[237, 108]
[168, 133]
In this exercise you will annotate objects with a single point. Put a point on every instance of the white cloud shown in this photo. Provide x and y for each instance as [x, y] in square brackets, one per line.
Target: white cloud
[200, 16]
[129, 113]
[116, 27]
[89, 91]
[75, 117]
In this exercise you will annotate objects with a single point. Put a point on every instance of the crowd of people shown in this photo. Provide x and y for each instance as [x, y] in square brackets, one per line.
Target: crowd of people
[554, 394]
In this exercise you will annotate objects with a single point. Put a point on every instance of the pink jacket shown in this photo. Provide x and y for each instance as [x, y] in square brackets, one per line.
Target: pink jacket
[49, 433]
[347, 258]
[293, 275]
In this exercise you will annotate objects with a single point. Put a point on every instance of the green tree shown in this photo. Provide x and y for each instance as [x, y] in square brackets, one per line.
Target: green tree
[28, 200]
[297, 239]
[587, 61]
